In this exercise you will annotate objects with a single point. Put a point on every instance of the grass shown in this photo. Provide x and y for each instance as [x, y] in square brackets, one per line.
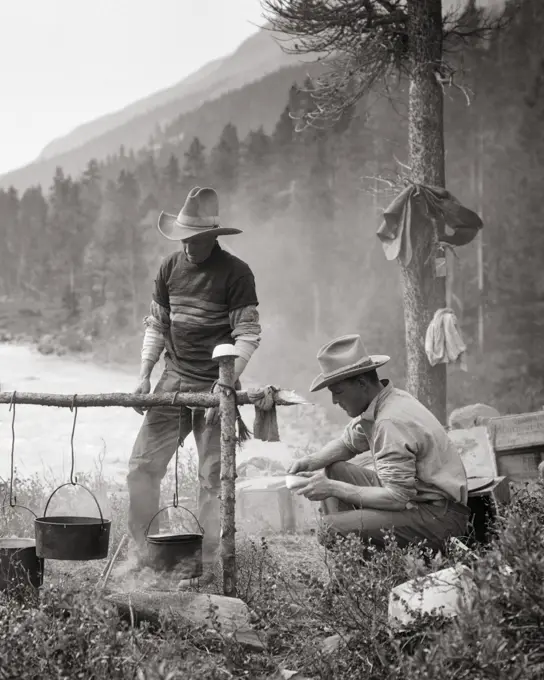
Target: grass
[299, 595]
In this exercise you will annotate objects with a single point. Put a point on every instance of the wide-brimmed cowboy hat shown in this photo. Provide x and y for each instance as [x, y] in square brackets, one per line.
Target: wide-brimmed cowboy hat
[199, 215]
[343, 358]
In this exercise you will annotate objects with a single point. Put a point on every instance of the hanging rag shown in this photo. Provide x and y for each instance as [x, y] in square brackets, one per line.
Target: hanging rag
[443, 341]
[265, 426]
[456, 225]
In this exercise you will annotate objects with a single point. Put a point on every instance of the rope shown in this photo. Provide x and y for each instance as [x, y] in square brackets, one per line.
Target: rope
[243, 431]
[175, 502]
[73, 407]
[226, 387]
[12, 498]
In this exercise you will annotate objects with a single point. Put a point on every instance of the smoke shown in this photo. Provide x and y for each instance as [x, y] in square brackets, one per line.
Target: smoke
[129, 576]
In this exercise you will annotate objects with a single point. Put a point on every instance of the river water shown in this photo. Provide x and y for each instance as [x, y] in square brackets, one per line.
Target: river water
[42, 434]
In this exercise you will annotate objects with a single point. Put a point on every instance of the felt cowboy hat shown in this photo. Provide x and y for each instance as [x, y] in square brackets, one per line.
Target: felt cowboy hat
[199, 215]
[343, 358]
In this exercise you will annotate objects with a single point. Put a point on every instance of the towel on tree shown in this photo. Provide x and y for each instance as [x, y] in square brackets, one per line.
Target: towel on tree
[443, 341]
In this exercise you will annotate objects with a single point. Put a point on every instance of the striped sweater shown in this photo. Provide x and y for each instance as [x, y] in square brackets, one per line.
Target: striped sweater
[196, 307]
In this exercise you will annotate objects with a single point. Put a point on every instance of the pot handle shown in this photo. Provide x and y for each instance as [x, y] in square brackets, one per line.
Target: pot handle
[16, 505]
[173, 506]
[83, 487]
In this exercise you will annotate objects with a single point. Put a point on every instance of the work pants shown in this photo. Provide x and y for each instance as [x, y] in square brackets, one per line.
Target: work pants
[153, 449]
[431, 523]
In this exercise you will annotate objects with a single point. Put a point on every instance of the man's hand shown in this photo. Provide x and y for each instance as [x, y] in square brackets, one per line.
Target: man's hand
[306, 464]
[318, 488]
[144, 387]
[213, 415]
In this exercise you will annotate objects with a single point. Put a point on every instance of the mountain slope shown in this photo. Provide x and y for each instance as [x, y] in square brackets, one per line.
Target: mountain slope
[258, 56]
[259, 103]
[95, 128]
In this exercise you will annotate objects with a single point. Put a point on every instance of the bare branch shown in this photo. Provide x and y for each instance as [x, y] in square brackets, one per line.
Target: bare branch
[461, 28]
[361, 43]
[322, 25]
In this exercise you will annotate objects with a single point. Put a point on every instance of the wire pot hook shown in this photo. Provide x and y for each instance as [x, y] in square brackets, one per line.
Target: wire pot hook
[179, 443]
[12, 497]
[73, 407]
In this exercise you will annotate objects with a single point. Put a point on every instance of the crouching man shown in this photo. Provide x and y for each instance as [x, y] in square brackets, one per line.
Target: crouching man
[413, 481]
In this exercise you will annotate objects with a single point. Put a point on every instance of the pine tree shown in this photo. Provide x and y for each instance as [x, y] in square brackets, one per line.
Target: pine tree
[171, 185]
[195, 166]
[225, 161]
[9, 234]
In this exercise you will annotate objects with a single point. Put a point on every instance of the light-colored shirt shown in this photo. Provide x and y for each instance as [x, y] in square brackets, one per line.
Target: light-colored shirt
[412, 454]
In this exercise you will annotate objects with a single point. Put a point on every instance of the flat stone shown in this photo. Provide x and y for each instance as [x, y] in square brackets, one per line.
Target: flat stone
[231, 613]
[333, 643]
[285, 674]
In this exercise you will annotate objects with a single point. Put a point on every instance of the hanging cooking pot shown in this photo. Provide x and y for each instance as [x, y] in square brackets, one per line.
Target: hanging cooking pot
[19, 565]
[182, 552]
[72, 538]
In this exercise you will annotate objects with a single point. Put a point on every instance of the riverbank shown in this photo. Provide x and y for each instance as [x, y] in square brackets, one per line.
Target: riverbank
[104, 436]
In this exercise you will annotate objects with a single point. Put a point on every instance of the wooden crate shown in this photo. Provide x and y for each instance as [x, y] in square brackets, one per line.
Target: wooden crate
[265, 505]
[518, 442]
[520, 465]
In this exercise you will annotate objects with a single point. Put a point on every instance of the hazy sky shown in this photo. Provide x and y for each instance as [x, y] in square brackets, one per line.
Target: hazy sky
[65, 62]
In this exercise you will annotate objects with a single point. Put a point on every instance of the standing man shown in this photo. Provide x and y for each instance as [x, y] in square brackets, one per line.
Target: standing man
[415, 484]
[203, 297]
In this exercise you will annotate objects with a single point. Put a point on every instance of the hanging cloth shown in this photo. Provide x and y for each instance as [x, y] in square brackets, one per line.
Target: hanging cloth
[265, 426]
[443, 341]
[456, 224]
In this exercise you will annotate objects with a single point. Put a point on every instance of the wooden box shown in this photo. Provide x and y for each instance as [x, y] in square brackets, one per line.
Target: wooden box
[518, 442]
[265, 505]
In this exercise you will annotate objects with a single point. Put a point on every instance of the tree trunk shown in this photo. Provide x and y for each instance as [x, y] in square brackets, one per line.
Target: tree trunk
[424, 293]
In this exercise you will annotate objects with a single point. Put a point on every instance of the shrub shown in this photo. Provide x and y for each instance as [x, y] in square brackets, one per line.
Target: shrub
[300, 595]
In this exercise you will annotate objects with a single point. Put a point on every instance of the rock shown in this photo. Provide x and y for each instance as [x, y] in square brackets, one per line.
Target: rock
[284, 674]
[443, 592]
[471, 416]
[47, 345]
[333, 643]
[231, 614]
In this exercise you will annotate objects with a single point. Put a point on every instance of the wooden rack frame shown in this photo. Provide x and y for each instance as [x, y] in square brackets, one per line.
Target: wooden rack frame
[226, 399]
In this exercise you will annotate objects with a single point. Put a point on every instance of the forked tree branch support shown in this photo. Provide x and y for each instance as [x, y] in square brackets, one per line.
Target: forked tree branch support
[202, 399]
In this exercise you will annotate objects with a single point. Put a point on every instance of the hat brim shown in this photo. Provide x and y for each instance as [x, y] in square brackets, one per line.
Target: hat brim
[170, 228]
[323, 381]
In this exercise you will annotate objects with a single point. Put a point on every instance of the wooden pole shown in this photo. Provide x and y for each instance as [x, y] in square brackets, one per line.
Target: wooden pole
[227, 405]
[127, 400]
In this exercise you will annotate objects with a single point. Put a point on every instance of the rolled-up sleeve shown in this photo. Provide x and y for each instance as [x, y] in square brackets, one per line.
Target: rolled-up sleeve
[159, 310]
[158, 318]
[246, 332]
[395, 459]
[157, 322]
[355, 438]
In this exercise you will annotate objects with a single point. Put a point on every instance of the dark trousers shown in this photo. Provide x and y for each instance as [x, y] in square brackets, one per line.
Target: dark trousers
[432, 522]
